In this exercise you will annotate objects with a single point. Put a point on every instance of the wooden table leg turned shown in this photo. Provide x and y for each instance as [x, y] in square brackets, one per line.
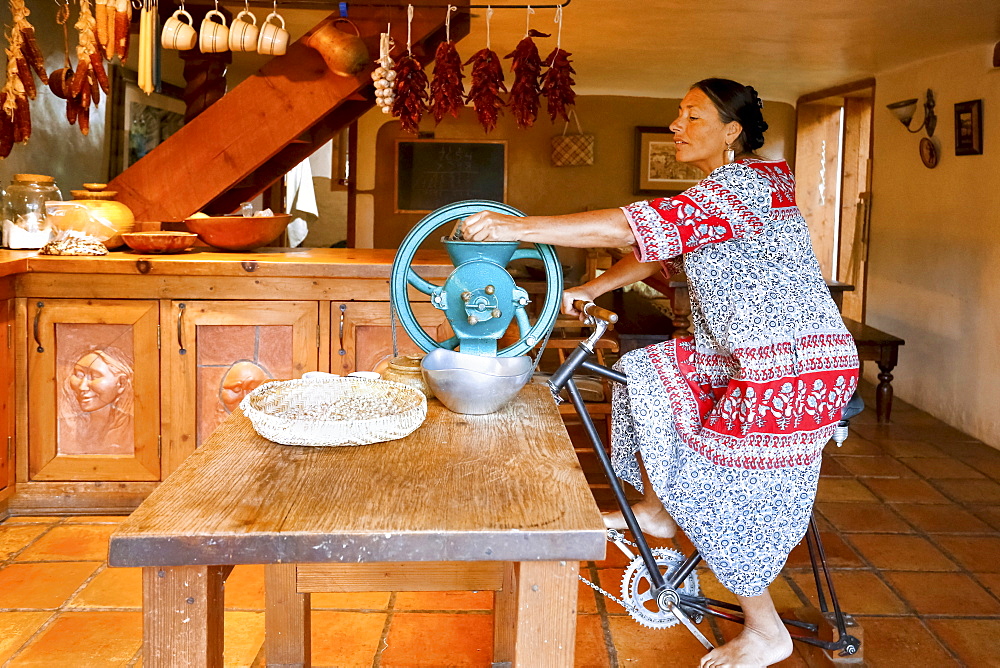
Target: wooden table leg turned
[883, 393]
[182, 616]
[287, 619]
[535, 617]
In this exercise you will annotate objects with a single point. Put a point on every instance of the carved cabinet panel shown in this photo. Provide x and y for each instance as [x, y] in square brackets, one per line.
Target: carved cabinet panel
[93, 390]
[361, 334]
[218, 351]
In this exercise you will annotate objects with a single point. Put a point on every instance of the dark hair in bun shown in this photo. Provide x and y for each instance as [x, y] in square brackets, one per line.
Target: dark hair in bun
[739, 103]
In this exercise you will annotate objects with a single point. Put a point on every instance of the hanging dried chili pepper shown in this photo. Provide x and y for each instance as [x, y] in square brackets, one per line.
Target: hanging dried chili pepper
[447, 91]
[411, 93]
[484, 91]
[525, 91]
[411, 86]
[557, 84]
[487, 82]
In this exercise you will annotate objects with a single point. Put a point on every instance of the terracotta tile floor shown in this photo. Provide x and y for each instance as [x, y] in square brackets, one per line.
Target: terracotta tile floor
[909, 513]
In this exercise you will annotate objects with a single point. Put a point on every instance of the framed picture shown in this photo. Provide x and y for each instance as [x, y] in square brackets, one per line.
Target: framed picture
[969, 128]
[657, 171]
[431, 173]
[138, 123]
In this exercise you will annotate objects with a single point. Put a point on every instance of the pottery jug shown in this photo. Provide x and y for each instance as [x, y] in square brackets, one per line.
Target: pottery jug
[405, 369]
[345, 54]
[102, 205]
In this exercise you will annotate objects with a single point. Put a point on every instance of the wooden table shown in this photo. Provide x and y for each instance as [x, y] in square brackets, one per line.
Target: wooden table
[466, 502]
[877, 346]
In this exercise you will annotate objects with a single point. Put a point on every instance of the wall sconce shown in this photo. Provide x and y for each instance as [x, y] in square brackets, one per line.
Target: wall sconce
[905, 109]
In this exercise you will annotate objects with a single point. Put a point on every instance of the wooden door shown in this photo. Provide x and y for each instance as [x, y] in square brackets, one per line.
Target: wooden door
[361, 334]
[215, 352]
[6, 393]
[93, 390]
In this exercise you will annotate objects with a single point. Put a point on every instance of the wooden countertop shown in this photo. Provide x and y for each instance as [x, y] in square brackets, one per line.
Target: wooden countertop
[270, 262]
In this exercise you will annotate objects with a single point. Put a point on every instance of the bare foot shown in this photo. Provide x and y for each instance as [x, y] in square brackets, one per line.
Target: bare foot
[653, 519]
[752, 648]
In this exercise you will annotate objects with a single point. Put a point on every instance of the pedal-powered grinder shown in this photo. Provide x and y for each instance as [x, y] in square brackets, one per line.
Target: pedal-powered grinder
[480, 299]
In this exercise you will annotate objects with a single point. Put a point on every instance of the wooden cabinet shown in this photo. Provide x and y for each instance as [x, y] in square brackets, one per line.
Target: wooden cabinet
[215, 352]
[6, 392]
[361, 334]
[93, 390]
[123, 365]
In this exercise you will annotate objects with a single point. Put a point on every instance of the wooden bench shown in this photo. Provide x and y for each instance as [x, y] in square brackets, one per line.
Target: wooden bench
[874, 345]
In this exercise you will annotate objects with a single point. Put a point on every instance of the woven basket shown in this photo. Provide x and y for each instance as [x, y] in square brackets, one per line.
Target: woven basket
[334, 411]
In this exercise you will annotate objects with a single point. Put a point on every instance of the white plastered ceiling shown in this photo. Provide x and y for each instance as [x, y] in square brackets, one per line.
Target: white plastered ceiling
[785, 48]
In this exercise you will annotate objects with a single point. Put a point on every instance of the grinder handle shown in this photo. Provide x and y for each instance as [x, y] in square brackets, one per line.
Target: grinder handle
[592, 309]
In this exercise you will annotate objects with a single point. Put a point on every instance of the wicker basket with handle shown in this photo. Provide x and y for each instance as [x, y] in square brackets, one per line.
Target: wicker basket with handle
[334, 411]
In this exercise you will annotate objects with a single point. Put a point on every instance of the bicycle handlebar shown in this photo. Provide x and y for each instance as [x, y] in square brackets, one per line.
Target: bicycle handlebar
[592, 309]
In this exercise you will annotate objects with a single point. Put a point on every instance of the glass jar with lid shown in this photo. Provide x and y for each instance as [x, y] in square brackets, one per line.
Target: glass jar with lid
[23, 212]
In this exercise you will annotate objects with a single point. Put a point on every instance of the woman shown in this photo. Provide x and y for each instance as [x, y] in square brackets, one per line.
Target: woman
[101, 423]
[728, 425]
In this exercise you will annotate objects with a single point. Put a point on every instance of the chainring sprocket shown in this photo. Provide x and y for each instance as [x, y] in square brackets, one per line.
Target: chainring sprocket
[637, 590]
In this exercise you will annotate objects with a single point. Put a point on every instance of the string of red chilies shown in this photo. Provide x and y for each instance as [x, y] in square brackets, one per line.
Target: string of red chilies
[447, 92]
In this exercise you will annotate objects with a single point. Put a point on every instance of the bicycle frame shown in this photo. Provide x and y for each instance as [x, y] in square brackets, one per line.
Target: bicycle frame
[664, 590]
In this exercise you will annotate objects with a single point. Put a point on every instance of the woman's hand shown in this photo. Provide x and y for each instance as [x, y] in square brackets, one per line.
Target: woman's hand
[490, 226]
[581, 292]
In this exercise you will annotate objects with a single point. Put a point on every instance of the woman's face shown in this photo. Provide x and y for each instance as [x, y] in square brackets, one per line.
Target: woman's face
[241, 378]
[700, 136]
[94, 383]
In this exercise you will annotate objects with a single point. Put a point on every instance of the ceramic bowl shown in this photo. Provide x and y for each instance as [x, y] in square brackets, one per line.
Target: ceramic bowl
[238, 233]
[159, 242]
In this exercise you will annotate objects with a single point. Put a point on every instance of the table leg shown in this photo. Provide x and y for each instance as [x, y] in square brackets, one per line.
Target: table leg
[286, 619]
[535, 614]
[883, 393]
[182, 616]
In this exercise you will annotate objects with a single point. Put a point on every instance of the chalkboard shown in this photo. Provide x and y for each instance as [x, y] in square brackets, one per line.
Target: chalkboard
[431, 173]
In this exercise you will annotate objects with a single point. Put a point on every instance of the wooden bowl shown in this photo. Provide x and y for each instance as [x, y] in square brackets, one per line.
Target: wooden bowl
[239, 233]
[159, 242]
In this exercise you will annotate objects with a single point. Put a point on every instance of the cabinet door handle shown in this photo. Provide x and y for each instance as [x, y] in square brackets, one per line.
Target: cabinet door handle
[343, 309]
[180, 329]
[38, 318]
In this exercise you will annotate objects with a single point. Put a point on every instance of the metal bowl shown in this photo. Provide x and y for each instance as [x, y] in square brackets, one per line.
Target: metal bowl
[474, 384]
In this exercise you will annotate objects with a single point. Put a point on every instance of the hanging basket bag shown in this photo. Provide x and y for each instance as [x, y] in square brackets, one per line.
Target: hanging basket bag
[573, 150]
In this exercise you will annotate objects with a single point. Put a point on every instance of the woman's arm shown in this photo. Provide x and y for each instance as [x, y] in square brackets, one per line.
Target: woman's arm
[626, 271]
[607, 228]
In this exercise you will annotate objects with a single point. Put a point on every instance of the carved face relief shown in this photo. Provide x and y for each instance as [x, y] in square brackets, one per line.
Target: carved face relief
[241, 378]
[95, 383]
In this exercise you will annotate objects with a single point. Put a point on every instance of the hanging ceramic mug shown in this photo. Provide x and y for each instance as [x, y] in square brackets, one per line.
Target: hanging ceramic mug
[243, 32]
[273, 40]
[177, 34]
[214, 36]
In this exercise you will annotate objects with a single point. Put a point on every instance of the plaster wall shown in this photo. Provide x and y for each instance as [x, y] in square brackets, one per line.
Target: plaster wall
[533, 184]
[934, 257]
[56, 148]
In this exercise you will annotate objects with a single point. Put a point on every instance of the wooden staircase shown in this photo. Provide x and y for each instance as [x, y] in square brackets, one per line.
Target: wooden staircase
[270, 122]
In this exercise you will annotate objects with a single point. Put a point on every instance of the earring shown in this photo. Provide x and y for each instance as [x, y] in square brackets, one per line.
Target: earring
[730, 154]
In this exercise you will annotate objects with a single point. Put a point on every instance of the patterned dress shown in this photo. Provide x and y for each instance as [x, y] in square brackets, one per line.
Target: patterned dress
[731, 423]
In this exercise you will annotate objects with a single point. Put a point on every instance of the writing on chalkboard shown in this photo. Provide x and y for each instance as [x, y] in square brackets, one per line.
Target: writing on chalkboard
[433, 173]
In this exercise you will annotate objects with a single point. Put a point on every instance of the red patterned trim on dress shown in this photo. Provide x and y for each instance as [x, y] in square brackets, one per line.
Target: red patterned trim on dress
[781, 179]
[751, 425]
[706, 213]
